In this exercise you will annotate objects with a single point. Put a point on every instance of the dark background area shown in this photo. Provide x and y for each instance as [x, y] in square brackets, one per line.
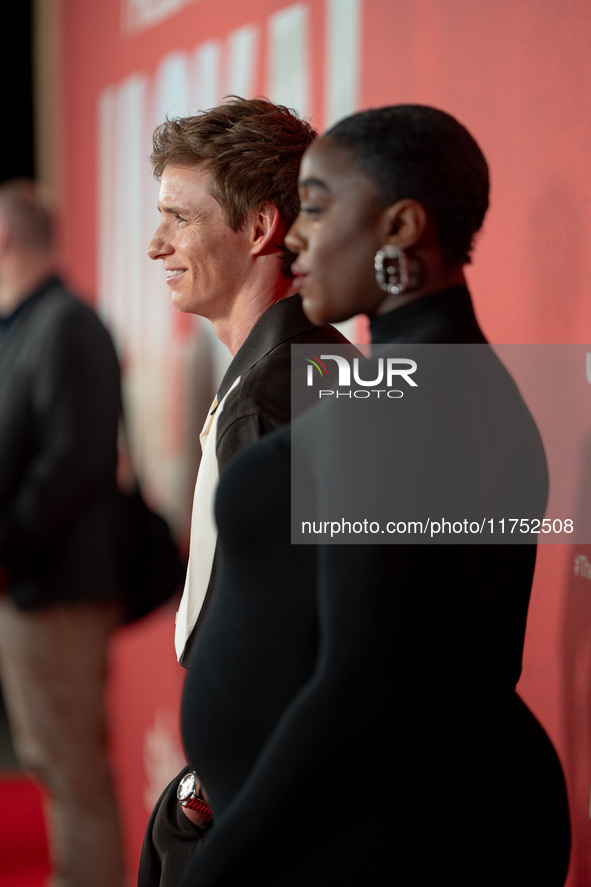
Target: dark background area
[17, 158]
[16, 145]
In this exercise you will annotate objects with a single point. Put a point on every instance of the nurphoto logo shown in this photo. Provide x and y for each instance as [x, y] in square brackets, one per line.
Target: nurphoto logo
[388, 371]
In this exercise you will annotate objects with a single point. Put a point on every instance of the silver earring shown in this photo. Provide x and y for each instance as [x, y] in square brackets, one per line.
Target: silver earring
[391, 270]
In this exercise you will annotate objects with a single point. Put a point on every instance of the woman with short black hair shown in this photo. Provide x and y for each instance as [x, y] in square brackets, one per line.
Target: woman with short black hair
[351, 709]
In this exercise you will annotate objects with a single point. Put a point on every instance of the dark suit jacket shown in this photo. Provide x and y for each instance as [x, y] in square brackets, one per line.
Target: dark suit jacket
[59, 412]
[261, 402]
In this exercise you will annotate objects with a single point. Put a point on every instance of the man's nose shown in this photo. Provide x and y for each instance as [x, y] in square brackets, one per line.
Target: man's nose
[159, 246]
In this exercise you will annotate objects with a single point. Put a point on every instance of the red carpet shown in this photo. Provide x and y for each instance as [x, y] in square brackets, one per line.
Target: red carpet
[23, 842]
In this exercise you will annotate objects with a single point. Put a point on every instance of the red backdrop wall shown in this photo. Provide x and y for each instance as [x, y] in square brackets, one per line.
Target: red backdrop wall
[515, 72]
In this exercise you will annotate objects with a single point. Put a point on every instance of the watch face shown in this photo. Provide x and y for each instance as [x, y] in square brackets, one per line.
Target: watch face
[186, 787]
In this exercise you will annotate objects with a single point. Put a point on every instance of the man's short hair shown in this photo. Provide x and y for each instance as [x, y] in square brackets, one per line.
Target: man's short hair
[251, 147]
[423, 153]
[26, 213]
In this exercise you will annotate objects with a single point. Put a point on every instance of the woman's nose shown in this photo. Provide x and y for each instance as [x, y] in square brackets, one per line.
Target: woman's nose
[293, 239]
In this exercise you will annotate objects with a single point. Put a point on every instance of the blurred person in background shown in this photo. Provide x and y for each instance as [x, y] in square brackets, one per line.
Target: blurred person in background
[228, 194]
[59, 567]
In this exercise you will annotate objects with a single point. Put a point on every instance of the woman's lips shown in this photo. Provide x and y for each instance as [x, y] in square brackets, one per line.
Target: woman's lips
[299, 275]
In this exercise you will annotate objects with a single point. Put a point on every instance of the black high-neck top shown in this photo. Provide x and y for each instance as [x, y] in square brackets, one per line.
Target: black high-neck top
[445, 317]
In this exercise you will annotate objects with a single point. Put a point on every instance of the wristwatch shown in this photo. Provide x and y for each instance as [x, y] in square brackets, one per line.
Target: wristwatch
[189, 796]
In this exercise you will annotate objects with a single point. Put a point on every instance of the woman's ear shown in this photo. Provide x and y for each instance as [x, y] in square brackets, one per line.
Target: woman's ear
[266, 225]
[405, 223]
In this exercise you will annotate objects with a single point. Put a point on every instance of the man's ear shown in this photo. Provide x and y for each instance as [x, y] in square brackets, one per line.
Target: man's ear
[405, 222]
[266, 230]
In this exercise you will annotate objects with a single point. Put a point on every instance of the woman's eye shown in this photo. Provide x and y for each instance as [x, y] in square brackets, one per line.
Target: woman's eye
[311, 210]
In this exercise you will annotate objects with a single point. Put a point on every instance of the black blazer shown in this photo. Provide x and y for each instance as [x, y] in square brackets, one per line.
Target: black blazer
[59, 411]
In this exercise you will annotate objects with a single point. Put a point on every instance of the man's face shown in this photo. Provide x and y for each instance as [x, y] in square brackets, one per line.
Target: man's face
[205, 262]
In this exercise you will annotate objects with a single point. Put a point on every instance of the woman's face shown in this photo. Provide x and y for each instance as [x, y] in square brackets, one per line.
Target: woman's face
[340, 227]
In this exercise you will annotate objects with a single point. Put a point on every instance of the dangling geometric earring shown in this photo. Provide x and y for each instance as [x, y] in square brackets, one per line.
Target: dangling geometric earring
[391, 270]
